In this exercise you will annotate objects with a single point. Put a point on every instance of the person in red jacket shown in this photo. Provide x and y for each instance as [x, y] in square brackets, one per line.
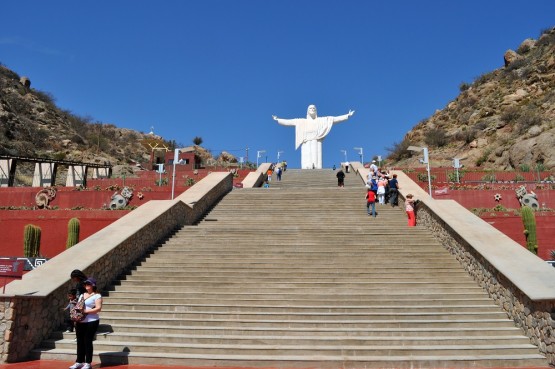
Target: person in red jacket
[371, 202]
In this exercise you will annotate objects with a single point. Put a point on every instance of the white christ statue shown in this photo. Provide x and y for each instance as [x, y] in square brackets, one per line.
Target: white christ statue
[310, 133]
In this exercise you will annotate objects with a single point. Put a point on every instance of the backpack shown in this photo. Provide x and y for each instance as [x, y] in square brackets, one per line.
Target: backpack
[76, 313]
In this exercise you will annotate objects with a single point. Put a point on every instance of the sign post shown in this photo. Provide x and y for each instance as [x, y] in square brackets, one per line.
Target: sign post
[11, 268]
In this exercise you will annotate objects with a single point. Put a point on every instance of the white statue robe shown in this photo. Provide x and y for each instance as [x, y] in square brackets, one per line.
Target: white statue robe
[309, 135]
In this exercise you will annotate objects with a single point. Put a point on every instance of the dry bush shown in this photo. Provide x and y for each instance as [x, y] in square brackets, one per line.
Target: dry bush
[528, 119]
[436, 137]
[399, 150]
[45, 97]
[510, 115]
[466, 135]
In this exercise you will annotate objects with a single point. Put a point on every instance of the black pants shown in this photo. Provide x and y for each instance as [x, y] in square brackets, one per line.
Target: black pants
[68, 323]
[85, 335]
[393, 197]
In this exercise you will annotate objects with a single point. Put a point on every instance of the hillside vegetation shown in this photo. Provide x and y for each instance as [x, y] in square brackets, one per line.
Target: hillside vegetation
[32, 125]
[503, 120]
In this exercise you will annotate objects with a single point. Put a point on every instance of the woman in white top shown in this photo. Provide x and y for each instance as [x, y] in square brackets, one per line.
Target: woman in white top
[85, 330]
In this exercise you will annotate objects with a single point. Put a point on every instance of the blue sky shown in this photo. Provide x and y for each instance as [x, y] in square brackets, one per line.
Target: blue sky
[221, 69]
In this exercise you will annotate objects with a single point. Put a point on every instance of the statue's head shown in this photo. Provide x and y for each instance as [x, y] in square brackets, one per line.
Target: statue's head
[311, 112]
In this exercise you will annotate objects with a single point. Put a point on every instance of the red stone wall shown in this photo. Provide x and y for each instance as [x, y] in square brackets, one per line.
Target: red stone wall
[53, 224]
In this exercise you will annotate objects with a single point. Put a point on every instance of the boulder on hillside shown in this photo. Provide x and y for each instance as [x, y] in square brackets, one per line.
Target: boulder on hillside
[510, 56]
[538, 149]
[526, 45]
[516, 97]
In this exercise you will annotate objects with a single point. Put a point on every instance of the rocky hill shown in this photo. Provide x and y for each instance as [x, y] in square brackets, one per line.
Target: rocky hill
[505, 119]
[31, 125]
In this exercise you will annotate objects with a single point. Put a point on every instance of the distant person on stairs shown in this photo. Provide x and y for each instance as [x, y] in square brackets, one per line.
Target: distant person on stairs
[409, 208]
[394, 191]
[340, 178]
[370, 202]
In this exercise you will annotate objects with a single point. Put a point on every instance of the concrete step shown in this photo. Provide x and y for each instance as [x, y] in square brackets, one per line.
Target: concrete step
[330, 317]
[424, 360]
[285, 349]
[337, 339]
[159, 306]
[401, 322]
[339, 298]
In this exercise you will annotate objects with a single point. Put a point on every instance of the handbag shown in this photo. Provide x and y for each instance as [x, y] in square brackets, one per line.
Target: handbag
[76, 313]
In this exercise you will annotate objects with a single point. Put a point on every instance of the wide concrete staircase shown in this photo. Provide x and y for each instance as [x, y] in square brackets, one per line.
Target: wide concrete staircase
[298, 276]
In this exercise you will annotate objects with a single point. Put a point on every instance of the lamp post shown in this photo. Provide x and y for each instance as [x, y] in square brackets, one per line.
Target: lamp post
[344, 153]
[160, 170]
[457, 165]
[279, 153]
[360, 154]
[175, 159]
[258, 156]
[425, 160]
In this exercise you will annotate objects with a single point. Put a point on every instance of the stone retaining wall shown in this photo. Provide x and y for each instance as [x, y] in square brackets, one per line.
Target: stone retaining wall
[536, 318]
[30, 310]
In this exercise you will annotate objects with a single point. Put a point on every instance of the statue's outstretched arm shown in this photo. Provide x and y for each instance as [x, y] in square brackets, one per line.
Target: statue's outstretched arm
[286, 122]
[343, 118]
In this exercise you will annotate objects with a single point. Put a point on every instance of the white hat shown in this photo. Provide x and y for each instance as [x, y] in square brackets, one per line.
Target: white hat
[373, 161]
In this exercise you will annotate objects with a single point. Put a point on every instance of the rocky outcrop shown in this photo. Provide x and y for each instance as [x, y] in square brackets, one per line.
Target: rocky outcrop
[505, 119]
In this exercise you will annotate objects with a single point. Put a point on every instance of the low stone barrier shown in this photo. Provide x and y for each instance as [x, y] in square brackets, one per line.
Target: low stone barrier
[517, 280]
[256, 178]
[30, 309]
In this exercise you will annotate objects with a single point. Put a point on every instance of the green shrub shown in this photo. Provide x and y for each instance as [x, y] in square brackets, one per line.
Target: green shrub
[540, 167]
[490, 177]
[453, 176]
[524, 168]
[162, 182]
[423, 177]
[60, 155]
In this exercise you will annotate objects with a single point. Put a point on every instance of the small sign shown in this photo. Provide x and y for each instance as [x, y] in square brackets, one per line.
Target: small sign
[11, 268]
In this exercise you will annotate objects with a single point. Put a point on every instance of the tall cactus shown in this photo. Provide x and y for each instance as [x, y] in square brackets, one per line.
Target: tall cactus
[529, 221]
[73, 227]
[31, 241]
